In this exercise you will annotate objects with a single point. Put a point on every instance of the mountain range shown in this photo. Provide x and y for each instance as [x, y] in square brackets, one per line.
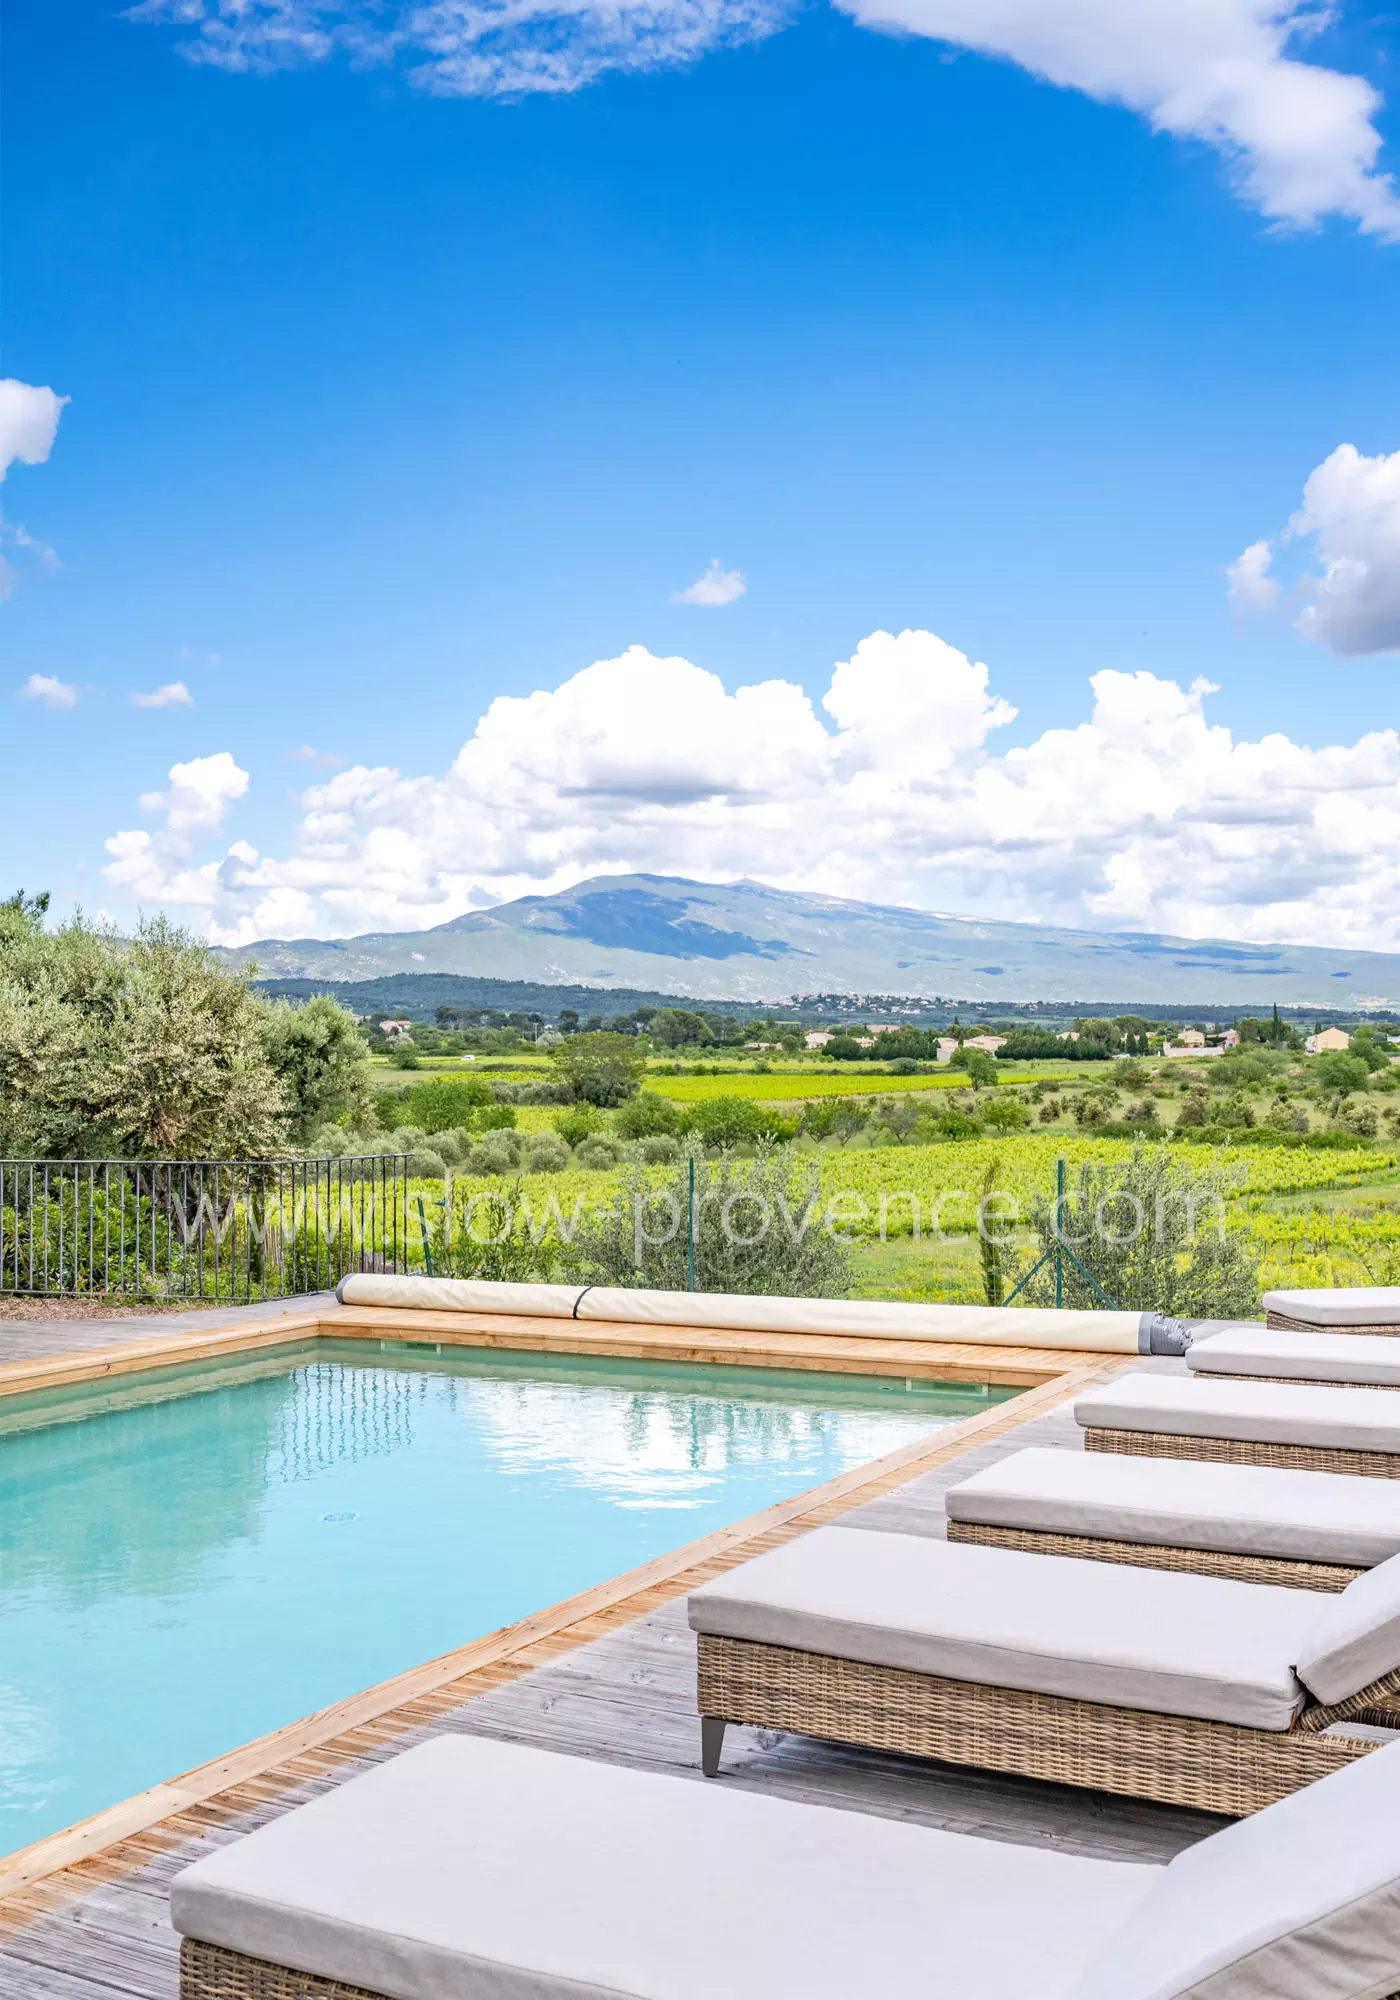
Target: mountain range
[746, 941]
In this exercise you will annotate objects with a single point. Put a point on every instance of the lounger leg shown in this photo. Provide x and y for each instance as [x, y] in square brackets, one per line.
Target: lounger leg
[711, 1743]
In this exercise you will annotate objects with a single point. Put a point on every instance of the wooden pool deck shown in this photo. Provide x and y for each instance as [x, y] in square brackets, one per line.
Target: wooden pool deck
[610, 1674]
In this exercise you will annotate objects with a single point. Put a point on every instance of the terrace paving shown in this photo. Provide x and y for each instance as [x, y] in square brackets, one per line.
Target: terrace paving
[32, 1339]
[616, 1683]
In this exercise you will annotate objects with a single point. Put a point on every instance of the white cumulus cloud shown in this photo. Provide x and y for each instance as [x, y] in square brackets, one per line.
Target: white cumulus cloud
[1251, 586]
[51, 691]
[1300, 138]
[1349, 525]
[28, 426]
[157, 867]
[716, 585]
[28, 423]
[1143, 814]
[174, 694]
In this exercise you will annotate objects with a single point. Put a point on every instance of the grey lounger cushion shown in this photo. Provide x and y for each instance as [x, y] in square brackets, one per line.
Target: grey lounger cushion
[1139, 1638]
[1356, 1638]
[1186, 1503]
[1310, 1357]
[472, 1870]
[1341, 1306]
[1262, 1412]
[1298, 1902]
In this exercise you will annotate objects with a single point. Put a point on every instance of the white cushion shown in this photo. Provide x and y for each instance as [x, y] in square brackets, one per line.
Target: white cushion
[472, 1870]
[1309, 1357]
[1298, 1902]
[1262, 1412]
[1139, 1638]
[1340, 1305]
[1187, 1503]
[1356, 1637]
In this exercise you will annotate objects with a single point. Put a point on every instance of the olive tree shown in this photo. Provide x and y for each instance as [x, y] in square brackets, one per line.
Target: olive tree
[1153, 1233]
[760, 1226]
[130, 1047]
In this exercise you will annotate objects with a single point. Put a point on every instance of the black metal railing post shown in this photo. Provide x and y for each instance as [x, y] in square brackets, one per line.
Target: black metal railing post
[163, 1228]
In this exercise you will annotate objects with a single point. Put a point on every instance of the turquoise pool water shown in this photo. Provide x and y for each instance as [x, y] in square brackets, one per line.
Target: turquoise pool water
[196, 1557]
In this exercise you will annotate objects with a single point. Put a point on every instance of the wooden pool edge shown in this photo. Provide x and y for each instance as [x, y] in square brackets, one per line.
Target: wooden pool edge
[124, 1838]
[920, 1360]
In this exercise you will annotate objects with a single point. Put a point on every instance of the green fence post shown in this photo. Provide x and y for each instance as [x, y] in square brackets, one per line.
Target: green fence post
[423, 1232]
[1059, 1227]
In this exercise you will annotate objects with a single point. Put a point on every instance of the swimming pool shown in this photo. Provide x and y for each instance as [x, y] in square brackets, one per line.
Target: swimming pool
[191, 1558]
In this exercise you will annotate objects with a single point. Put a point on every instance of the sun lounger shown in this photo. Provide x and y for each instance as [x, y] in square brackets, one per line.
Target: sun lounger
[1267, 1354]
[472, 1870]
[1343, 1309]
[1304, 1426]
[1309, 1530]
[1191, 1689]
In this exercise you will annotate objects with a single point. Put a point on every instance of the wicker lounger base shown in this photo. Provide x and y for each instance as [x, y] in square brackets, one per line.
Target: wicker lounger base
[1158, 1555]
[1283, 1324]
[1245, 1451]
[1215, 1766]
[208, 1972]
[1299, 1381]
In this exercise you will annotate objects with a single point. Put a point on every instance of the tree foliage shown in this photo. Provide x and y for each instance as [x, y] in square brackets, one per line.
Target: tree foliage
[1152, 1231]
[318, 1056]
[444, 1103]
[602, 1069]
[147, 1047]
[759, 1227]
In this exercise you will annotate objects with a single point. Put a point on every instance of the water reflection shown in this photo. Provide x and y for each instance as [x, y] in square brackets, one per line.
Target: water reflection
[189, 1561]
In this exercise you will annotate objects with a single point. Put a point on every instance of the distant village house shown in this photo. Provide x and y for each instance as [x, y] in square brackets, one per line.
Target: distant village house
[1327, 1039]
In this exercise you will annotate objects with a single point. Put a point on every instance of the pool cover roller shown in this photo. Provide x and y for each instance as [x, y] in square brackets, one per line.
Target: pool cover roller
[868, 1319]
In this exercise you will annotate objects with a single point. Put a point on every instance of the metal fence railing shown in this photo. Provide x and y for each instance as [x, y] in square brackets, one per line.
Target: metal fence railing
[227, 1230]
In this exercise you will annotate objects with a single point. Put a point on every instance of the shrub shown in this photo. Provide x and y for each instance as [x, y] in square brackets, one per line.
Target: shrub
[980, 1066]
[658, 1149]
[425, 1164]
[498, 1153]
[454, 1144]
[1152, 1231]
[599, 1153]
[1006, 1114]
[648, 1115]
[497, 1118]
[307, 1262]
[575, 1125]
[737, 1121]
[546, 1153]
[1341, 1071]
[487, 1235]
[957, 1125]
[844, 1048]
[759, 1228]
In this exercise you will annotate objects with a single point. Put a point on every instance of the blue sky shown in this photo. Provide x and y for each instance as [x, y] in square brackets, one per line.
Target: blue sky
[388, 402]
